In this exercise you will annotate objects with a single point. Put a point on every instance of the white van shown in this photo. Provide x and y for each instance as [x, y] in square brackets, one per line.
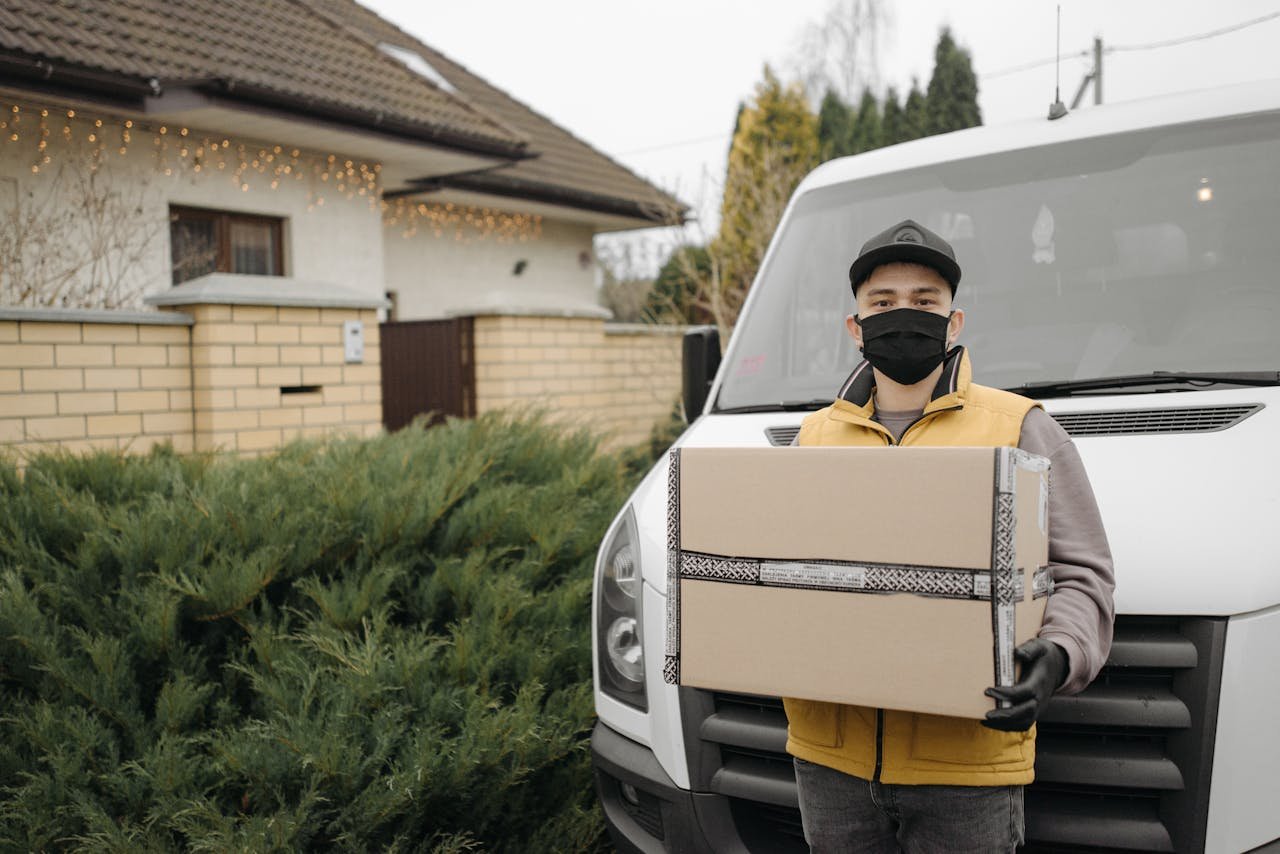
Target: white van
[1122, 265]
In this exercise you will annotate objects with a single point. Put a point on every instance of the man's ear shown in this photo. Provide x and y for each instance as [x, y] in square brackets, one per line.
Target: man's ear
[855, 331]
[955, 326]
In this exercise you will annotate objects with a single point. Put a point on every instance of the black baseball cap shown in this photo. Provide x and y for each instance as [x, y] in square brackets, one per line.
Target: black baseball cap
[907, 241]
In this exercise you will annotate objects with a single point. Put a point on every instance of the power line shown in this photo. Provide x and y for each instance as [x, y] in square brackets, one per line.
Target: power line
[1027, 66]
[667, 145]
[1195, 38]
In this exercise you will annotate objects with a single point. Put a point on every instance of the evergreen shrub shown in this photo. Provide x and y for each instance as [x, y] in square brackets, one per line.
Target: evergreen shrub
[354, 645]
[638, 459]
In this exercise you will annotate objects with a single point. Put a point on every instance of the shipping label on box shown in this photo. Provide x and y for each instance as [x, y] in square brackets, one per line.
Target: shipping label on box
[889, 577]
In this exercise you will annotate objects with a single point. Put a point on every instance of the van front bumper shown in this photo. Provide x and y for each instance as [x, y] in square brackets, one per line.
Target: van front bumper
[646, 812]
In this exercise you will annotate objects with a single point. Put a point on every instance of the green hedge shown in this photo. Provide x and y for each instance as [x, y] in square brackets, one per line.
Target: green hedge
[359, 645]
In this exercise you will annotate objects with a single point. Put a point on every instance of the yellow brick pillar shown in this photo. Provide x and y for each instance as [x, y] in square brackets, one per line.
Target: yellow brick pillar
[270, 361]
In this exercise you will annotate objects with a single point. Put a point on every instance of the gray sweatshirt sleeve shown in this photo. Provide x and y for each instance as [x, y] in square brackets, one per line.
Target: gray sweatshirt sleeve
[1080, 614]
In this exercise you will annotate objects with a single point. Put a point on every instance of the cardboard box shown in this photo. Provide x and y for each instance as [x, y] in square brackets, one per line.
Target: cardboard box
[855, 575]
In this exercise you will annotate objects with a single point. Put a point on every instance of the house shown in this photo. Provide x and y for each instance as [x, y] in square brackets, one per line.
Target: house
[276, 177]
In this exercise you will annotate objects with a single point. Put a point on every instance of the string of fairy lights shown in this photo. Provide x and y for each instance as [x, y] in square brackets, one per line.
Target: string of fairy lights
[97, 138]
[442, 219]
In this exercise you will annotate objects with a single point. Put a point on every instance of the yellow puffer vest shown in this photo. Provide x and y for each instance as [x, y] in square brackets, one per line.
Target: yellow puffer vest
[884, 744]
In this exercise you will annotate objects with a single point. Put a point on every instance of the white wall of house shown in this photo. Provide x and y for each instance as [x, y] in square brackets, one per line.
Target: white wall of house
[434, 276]
[339, 242]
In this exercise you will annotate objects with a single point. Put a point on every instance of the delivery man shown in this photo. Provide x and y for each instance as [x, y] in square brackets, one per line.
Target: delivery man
[901, 781]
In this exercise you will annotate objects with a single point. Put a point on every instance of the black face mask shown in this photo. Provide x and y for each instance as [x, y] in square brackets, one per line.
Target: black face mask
[905, 344]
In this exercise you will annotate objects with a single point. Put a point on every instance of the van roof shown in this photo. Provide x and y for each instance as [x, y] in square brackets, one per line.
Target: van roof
[1181, 108]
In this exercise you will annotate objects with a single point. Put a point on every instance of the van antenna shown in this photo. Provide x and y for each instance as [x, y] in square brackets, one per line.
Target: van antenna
[1057, 109]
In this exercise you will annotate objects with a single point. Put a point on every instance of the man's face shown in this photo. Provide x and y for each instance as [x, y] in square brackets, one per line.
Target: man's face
[899, 285]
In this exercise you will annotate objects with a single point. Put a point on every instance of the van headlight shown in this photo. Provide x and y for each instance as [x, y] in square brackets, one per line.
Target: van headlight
[619, 636]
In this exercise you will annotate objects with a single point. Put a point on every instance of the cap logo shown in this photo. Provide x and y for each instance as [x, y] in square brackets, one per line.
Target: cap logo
[908, 235]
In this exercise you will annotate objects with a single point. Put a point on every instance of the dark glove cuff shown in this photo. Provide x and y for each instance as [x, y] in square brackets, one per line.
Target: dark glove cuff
[1062, 663]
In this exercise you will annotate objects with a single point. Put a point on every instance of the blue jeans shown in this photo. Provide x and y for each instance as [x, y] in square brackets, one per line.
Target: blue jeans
[842, 813]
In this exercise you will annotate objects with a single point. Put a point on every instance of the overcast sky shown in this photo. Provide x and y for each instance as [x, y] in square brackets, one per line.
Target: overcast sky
[656, 84]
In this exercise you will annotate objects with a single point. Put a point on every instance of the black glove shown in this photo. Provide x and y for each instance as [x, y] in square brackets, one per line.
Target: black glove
[1044, 668]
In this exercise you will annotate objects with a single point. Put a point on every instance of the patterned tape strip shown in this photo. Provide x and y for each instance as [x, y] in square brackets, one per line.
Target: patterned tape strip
[944, 582]
[1003, 540]
[671, 662]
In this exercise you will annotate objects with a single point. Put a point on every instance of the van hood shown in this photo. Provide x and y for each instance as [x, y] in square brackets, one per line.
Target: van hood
[1193, 518]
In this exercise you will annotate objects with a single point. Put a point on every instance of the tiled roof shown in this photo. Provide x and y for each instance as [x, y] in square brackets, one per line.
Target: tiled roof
[279, 47]
[323, 56]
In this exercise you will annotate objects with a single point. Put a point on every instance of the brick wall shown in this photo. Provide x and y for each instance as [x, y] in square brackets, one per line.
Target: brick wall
[232, 377]
[94, 385]
[618, 379]
[248, 378]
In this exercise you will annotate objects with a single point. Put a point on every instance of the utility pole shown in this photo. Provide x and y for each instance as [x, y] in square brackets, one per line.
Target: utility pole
[1094, 76]
[1097, 69]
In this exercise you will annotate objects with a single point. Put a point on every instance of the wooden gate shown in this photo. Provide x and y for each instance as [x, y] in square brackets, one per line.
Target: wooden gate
[427, 367]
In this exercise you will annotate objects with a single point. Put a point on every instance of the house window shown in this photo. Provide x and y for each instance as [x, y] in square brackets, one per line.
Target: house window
[205, 241]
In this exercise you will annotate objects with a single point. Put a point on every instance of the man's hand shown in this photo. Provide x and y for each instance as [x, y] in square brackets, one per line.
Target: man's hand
[1044, 667]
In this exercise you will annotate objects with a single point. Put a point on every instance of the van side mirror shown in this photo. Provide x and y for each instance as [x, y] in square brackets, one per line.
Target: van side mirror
[700, 363]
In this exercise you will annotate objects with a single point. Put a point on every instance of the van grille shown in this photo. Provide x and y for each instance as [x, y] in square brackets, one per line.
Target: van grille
[781, 435]
[1123, 422]
[1122, 766]
[1194, 419]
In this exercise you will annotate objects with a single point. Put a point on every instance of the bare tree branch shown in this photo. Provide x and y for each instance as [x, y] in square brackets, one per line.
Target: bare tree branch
[76, 236]
[841, 52]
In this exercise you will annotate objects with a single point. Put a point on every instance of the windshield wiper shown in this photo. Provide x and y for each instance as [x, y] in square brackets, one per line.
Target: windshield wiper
[1198, 379]
[783, 406]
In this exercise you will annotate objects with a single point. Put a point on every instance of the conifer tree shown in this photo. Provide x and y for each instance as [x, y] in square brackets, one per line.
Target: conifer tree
[834, 132]
[915, 114]
[892, 130]
[865, 134]
[775, 145]
[675, 296]
[737, 123]
[953, 88]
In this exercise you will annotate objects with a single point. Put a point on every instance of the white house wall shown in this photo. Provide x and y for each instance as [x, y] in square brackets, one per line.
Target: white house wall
[339, 242]
[435, 276]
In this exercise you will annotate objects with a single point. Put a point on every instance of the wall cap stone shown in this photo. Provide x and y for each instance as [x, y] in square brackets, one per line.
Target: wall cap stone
[95, 315]
[240, 289]
[591, 311]
[645, 329]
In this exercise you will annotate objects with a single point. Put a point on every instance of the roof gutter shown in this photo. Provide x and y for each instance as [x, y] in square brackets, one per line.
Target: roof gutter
[657, 211]
[57, 78]
[438, 182]
[363, 119]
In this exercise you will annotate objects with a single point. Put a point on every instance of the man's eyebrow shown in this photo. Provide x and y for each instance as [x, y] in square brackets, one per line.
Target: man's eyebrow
[922, 289]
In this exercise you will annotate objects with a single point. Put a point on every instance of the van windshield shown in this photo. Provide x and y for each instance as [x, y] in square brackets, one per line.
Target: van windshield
[1150, 251]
